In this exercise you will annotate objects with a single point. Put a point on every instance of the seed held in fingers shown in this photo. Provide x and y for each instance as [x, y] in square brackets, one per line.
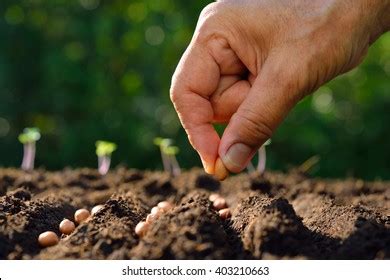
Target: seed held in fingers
[67, 226]
[219, 203]
[141, 228]
[165, 206]
[47, 239]
[220, 170]
[81, 215]
[96, 209]
[224, 213]
[213, 197]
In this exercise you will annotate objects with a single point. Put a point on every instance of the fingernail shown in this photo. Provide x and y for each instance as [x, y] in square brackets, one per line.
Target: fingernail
[237, 157]
[207, 168]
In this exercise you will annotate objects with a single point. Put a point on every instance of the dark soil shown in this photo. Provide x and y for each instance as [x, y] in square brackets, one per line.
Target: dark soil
[274, 216]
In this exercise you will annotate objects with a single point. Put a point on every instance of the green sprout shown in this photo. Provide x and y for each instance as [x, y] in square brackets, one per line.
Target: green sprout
[28, 138]
[104, 150]
[168, 155]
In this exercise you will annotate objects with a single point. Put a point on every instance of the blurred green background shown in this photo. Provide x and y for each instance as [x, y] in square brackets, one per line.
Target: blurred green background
[83, 70]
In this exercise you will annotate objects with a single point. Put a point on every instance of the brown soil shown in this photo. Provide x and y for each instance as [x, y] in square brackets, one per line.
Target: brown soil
[274, 216]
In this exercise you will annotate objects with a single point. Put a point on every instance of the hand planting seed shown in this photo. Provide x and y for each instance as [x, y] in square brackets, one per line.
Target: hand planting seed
[81, 215]
[224, 214]
[48, 238]
[104, 150]
[219, 203]
[165, 206]
[220, 171]
[168, 155]
[96, 209]
[141, 228]
[67, 226]
[28, 138]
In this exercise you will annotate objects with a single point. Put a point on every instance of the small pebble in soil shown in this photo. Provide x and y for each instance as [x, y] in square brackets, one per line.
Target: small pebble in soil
[220, 170]
[81, 215]
[96, 209]
[67, 226]
[141, 228]
[224, 214]
[219, 203]
[165, 206]
[213, 197]
[48, 238]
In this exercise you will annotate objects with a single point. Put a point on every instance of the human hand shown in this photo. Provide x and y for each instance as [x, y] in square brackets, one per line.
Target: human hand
[249, 62]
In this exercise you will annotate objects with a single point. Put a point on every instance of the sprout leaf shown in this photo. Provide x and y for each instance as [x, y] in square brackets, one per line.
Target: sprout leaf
[104, 148]
[29, 135]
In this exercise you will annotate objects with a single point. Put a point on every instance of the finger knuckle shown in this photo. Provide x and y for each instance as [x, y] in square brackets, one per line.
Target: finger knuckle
[254, 128]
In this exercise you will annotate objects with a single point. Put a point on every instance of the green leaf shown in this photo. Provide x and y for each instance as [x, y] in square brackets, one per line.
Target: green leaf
[104, 148]
[29, 135]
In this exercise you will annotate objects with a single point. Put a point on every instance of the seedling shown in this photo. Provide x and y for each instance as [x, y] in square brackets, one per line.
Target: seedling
[103, 151]
[28, 138]
[262, 159]
[168, 155]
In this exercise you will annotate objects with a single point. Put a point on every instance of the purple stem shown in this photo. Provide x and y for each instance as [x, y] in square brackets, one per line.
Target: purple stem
[28, 156]
[262, 160]
[104, 164]
[165, 161]
[175, 168]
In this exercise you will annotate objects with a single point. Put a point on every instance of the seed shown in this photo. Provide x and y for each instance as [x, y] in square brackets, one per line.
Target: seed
[220, 170]
[67, 226]
[155, 210]
[48, 238]
[81, 215]
[213, 197]
[150, 218]
[219, 203]
[96, 209]
[141, 228]
[165, 206]
[224, 213]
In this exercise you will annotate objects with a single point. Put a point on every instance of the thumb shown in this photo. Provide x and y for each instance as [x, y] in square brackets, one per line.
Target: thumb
[273, 94]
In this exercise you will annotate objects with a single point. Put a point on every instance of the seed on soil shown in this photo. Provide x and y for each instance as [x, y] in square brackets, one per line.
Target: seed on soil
[48, 238]
[219, 203]
[141, 228]
[150, 218]
[213, 197]
[96, 209]
[224, 214]
[220, 170]
[67, 226]
[81, 215]
[165, 206]
[156, 210]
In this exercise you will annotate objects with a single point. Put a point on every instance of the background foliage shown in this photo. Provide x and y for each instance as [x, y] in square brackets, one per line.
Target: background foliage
[83, 70]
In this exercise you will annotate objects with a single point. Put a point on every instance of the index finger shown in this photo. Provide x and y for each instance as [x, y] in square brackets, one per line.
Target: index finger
[194, 81]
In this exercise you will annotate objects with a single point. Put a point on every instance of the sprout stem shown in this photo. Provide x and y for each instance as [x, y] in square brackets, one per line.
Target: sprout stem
[28, 156]
[104, 164]
[175, 168]
[262, 160]
[165, 160]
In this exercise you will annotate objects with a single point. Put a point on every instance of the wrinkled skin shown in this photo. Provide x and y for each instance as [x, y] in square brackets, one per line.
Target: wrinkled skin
[249, 62]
